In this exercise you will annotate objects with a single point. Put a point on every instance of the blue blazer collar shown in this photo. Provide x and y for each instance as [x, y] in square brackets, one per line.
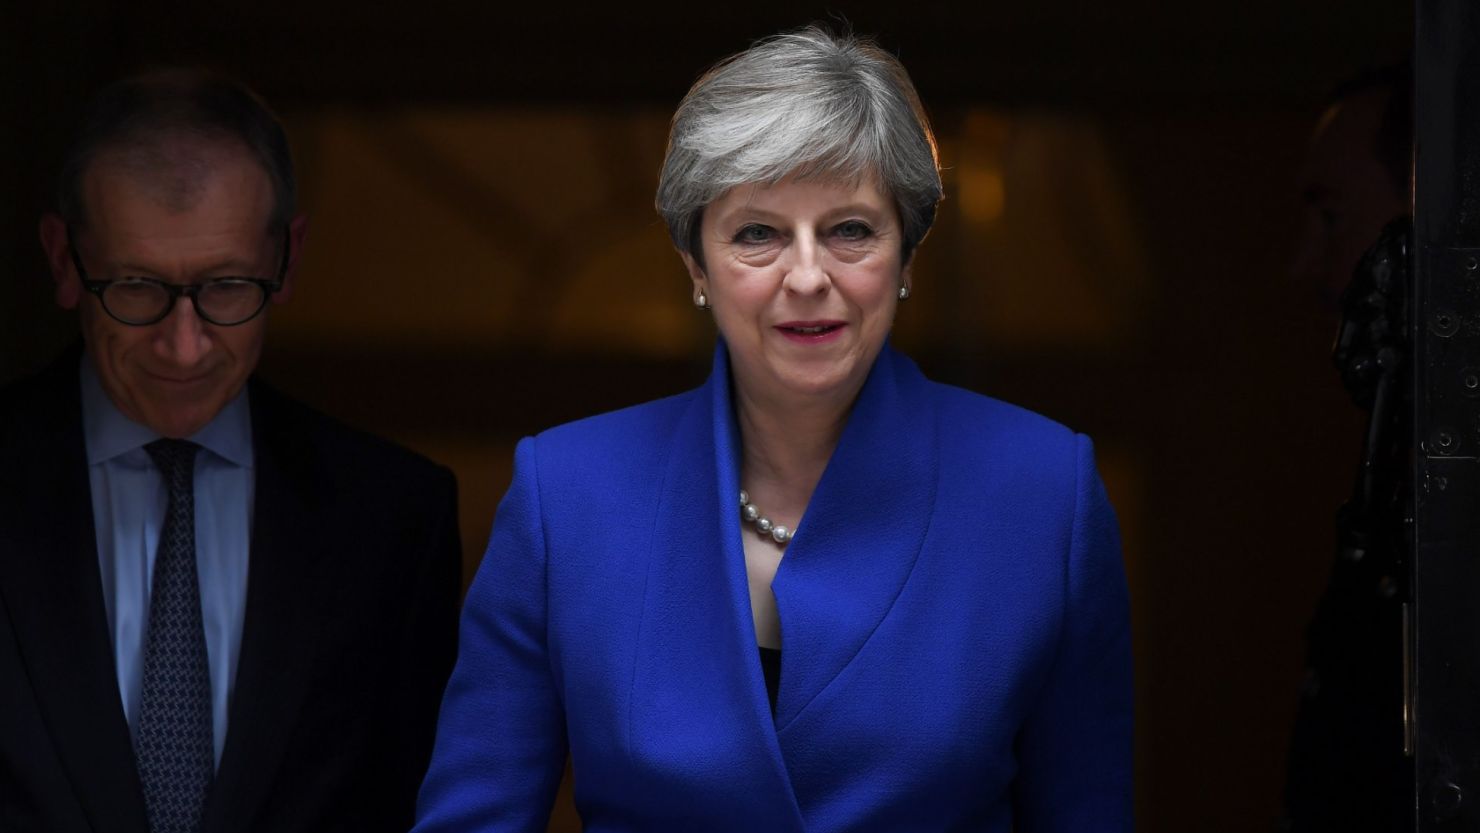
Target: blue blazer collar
[859, 537]
[699, 691]
[858, 540]
[698, 697]
[852, 554]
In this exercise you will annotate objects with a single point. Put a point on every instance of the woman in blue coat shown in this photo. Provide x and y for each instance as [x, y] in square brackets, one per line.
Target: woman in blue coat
[819, 593]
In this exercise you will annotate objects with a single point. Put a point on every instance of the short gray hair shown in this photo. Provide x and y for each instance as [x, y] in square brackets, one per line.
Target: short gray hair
[809, 104]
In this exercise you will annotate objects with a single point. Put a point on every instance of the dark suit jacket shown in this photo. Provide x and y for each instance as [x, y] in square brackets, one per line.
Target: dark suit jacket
[348, 637]
[954, 627]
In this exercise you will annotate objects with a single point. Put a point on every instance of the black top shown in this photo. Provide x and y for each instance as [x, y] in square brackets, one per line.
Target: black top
[771, 667]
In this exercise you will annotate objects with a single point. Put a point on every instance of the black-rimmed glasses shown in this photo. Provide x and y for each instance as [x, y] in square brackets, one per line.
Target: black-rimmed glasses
[139, 302]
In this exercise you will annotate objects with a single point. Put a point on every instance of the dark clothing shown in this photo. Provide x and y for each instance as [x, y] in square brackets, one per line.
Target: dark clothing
[348, 638]
[1346, 771]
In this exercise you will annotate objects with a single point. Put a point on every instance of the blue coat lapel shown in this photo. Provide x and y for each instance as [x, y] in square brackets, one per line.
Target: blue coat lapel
[858, 540]
[699, 698]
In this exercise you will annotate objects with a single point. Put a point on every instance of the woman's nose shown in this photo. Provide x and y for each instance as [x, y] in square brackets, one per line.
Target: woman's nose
[807, 273]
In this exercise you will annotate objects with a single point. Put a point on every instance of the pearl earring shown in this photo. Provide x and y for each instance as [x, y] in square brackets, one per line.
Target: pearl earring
[904, 291]
[701, 302]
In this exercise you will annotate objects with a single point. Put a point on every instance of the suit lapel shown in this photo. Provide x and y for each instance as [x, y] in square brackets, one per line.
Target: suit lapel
[280, 631]
[862, 531]
[699, 694]
[49, 577]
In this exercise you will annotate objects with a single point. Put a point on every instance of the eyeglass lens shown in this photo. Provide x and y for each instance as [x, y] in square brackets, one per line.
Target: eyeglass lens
[220, 301]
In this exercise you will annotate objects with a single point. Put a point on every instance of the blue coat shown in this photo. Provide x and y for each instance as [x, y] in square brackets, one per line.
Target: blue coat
[955, 633]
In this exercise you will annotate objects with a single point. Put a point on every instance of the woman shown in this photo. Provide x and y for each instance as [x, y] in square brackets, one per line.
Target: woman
[819, 593]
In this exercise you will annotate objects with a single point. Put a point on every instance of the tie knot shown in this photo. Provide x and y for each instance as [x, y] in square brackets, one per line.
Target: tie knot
[173, 457]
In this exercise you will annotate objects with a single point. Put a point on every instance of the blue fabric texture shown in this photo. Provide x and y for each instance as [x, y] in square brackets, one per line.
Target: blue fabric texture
[954, 615]
[129, 500]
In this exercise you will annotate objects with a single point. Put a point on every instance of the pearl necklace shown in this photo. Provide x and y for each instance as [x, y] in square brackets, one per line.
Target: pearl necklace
[750, 513]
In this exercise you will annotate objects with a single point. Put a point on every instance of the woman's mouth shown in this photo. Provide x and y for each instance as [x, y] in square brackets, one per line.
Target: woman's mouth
[810, 332]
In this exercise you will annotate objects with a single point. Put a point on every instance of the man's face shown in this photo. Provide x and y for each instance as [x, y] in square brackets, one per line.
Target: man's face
[1348, 196]
[173, 376]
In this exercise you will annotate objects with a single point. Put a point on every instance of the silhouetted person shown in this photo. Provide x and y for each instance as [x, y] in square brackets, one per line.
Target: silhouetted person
[1354, 180]
[1346, 770]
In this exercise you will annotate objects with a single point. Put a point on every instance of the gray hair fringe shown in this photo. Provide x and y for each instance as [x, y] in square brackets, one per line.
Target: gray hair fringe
[805, 104]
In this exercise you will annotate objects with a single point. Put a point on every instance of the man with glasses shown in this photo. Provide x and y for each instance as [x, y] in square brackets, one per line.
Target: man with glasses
[219, 610]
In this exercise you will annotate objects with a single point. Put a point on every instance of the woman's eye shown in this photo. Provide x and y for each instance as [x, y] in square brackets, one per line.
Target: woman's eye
[853, 230]
[753, 233]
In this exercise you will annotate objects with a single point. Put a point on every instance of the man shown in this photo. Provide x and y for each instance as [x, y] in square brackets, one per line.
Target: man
[219, 610]
[1346, 769]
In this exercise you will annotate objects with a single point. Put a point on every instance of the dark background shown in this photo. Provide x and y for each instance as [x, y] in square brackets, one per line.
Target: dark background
[484, 261]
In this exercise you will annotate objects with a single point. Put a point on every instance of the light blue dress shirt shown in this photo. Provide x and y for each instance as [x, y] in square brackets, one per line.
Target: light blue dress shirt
[128, 503]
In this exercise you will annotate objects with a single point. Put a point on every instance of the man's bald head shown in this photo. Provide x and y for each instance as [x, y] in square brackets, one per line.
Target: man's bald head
[172, 169]
[165, 130]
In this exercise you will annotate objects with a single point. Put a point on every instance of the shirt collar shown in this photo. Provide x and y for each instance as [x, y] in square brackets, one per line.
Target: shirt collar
[110, 434]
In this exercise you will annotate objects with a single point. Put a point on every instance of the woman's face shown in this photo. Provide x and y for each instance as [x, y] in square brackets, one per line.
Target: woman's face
[803, 278]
